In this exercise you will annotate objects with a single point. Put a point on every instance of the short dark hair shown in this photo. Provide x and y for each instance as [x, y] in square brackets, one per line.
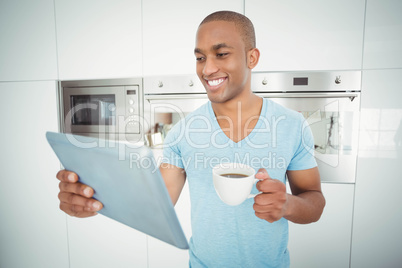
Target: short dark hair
[244, 24]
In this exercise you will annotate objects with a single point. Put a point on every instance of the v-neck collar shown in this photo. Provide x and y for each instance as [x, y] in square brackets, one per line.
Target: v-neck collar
[225, 138]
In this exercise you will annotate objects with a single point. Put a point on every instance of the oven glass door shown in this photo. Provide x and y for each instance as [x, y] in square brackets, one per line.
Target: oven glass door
[162, 112]
[334, 122]
[332, 117]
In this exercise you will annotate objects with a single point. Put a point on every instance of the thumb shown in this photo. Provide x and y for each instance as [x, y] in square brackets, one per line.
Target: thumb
[262, 174]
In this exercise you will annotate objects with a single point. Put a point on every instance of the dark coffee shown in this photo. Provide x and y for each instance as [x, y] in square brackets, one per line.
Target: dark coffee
[234, 175]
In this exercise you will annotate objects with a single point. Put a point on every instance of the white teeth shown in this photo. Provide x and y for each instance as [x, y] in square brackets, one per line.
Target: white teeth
[215, 82]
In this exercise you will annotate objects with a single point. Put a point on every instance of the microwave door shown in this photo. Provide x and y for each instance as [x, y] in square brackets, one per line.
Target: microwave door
[92, 113]
[107, 112]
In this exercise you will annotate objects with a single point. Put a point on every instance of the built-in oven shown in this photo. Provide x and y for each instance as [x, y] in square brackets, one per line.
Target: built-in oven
[330, 102]
[168, 99]
[105, 108]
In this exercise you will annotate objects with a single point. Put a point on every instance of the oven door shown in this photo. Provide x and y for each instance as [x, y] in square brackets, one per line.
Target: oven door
[161, 112]
[334, 120]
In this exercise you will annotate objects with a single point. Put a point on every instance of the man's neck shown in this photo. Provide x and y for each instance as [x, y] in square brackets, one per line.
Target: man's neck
[247, 105]
[238, 117]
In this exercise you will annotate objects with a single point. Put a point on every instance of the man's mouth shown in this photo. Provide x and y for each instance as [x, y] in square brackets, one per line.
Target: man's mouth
[215, 82]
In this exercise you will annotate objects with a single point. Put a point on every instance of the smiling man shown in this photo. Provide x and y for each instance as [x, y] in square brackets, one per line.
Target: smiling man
[238, 126]
[235, 126]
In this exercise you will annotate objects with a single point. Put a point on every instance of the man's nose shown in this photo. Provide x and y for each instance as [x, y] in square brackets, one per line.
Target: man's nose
[210, 67]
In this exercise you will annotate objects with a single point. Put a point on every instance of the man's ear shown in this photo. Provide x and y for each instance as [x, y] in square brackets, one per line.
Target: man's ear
[253, 55]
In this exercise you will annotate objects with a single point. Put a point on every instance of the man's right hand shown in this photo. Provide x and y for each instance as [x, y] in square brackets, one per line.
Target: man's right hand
[76, 198]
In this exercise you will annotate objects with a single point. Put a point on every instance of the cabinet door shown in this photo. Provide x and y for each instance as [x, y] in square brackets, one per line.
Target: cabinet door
[32, 229]
[308, 35]
[102, 242]
[28, 40]
[99, 39]
[161, 254]
[377, 219]
[383, 34]
[169, 29]
[325, 243]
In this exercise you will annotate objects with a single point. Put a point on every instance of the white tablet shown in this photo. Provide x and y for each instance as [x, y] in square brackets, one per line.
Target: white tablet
[126, 179]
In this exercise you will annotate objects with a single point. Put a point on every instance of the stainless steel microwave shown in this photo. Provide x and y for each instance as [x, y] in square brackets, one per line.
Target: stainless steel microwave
[105, 108]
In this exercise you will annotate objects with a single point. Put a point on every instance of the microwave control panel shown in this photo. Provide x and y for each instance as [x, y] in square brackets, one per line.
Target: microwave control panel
[132, 109]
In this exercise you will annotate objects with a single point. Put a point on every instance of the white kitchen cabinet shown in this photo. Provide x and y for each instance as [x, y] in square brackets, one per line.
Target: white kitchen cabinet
[98, 39]
[325, 243]
[383, 34]
[377, 232]
[308, 35]
[33, 231]
[161, 254]
[169, 29]
[102, 242]
[28, 40]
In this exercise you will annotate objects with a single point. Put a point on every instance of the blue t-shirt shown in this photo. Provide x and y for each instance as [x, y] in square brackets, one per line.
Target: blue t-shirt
[232, 236]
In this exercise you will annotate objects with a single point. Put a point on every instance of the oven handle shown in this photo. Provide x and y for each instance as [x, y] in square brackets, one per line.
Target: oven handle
[309, 95]
[350, 95]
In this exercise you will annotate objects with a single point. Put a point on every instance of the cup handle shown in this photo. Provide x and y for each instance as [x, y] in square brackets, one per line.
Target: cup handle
[254, 195]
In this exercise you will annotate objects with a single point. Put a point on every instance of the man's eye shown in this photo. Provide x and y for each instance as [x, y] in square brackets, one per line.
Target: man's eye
[220, 55]
[199, 58]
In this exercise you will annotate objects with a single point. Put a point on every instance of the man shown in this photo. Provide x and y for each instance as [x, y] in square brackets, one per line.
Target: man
[235, 126]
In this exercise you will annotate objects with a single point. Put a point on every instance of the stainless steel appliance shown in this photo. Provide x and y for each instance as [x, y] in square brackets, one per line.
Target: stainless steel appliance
[168, 99]
[106, 108]
[330, 102]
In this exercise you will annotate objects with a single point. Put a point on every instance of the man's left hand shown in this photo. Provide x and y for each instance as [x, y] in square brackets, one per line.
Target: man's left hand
[271, 204]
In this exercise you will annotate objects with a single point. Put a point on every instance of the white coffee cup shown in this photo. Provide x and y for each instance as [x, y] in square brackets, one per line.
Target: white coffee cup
[233, 191]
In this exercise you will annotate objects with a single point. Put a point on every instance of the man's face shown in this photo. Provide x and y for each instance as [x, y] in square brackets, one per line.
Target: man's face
[221, 60]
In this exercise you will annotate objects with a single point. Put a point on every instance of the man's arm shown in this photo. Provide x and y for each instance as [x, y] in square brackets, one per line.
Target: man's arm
[304, 205]
[174, 178]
